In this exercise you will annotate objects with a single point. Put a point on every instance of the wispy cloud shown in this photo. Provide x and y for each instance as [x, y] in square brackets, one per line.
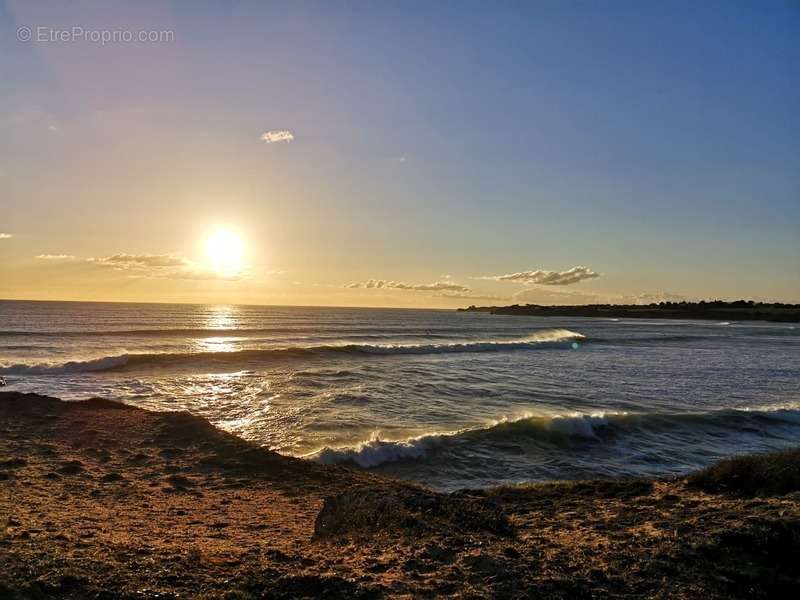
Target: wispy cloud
[161, 266]
[277, 135]
[437, 286]
[55, 256]
[542, 277]
[542, 295]
[122, 262]
[654, 297]
[469, 296]
[5, 236]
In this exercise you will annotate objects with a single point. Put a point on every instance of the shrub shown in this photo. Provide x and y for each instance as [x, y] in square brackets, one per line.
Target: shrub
[753, 475]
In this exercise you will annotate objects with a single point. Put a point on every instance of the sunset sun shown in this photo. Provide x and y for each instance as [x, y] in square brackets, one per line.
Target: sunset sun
[224, 249]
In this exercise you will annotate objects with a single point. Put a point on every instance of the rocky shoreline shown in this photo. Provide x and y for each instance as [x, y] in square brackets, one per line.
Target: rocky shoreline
[103, 500]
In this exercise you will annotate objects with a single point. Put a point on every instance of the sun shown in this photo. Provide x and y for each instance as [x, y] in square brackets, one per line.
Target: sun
[225, 250]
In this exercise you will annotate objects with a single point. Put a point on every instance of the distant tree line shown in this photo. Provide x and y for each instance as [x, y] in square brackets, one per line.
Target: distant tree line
[748, 310]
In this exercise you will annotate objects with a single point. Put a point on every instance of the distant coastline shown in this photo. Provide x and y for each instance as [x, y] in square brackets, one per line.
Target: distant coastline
[739, 310]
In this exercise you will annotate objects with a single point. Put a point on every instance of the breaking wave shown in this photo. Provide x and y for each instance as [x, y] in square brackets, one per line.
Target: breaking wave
[376, 451]
[77, 366]
[561, 432]
[541, 339]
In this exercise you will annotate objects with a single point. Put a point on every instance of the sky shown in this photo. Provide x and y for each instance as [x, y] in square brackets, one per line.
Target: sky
[399, 153]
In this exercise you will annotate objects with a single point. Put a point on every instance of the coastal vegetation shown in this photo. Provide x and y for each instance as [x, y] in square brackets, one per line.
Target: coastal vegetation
[739, 310]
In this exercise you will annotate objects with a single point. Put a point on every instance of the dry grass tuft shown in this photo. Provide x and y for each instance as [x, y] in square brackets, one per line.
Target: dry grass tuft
[771, 474]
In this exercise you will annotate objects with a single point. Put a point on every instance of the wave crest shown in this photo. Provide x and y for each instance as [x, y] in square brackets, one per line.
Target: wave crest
[559, 430]
[375, 451]
[544, 338]
[78, 366]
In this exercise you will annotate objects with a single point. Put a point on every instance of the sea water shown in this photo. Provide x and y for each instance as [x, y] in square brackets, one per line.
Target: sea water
[449, 399]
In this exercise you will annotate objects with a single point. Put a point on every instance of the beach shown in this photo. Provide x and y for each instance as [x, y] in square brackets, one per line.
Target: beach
[103, 500]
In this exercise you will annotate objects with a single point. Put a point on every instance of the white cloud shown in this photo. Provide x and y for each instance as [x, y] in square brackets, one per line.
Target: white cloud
[276, 135]
[468, 296]
[437, 286]
[650, 298]
[161, 266]
[55, 256]
[121, 262]
[542, 277]
[5, 236]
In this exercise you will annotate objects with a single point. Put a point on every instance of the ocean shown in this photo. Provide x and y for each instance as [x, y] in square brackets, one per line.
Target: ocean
[449, 399]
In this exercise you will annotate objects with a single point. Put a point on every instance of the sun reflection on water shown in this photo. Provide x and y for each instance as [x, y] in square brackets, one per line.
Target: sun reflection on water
[219, 318]
[222, 317]
[218, 344]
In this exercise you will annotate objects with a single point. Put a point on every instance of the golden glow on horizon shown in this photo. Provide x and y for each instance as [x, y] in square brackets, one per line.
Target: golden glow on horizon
[225, 250]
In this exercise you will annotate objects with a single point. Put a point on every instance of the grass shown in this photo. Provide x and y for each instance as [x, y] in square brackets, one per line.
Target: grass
[776, 473]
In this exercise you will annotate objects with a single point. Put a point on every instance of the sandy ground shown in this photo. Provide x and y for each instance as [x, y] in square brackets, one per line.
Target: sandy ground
[100, 500]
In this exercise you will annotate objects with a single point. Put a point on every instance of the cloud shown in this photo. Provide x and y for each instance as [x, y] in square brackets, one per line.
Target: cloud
[276, 135]
[140, 261]
[55, 256]
[541, 277]
[437, 286]
[161, 266]
[5, 236]
[651, 298]
[468, 296]
[569, 297]
[540, 295]
[198, 274]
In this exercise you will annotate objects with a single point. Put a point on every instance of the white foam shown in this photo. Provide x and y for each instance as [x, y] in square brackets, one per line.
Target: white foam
[540, 337]
[375, 451]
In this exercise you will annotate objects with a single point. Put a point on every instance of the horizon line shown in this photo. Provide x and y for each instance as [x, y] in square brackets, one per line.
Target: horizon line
[246, 304]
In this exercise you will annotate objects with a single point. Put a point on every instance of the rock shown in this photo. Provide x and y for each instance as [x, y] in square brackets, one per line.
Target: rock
[13, 463]
[180, 481]
[71, 467]
[408, 511]
[438, 553]
[482, 563]
[320, 586]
